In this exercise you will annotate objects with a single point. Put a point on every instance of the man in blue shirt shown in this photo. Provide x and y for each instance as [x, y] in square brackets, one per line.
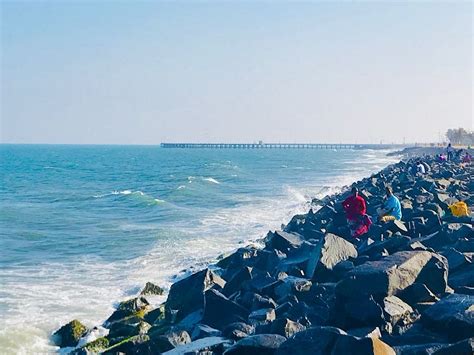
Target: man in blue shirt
[391, 209]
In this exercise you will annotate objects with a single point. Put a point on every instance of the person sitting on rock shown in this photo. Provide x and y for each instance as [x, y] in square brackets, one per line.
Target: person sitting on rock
[357, 218]
[467, 158]
[420, 168]
[391, 210]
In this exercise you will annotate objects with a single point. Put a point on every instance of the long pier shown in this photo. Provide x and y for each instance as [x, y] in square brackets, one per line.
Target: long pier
[279, 146]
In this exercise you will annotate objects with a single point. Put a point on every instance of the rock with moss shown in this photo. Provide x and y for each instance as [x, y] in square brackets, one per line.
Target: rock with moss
[98, 345]
[68, 335]
[152, 289]
[130, 311]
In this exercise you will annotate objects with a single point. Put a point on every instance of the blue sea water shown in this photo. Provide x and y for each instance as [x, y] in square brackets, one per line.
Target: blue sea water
[83, 227]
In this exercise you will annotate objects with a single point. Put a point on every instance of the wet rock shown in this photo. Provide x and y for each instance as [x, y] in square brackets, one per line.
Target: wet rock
[97, 346]
[220, 311]
[152, 289]
[453, 316]
[132, 310]
[69, 334]
[261, 344]
[187, 295]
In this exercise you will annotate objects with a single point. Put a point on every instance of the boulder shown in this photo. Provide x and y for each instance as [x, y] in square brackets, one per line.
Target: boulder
[152, 289]
[260, 344]
[315, 341]
[187, 295]
[69, 334]
[394, 273]
[170, 340]
[452, 316]
[132, 310]
[463, 277]
[263, 315]
[238, 330]
[283, 241]
[397, 312]
[286, 327]
[210, 345]
[220, 311]
[204, 331]
[330, 251]
[417, 293]
[361, 346]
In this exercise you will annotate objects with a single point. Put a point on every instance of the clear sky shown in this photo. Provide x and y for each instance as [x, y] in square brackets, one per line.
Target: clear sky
[145, 72]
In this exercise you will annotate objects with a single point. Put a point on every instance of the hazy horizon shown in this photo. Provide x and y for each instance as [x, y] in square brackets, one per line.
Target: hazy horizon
[150, 72]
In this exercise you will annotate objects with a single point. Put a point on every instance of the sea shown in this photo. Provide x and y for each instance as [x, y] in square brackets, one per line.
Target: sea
[85, 227]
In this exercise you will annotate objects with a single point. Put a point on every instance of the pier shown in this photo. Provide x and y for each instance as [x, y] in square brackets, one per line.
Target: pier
[262, 145]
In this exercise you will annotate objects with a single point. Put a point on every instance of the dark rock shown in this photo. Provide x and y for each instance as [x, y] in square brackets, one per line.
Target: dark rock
[69, 334]
[97, 346]
[416, 293]
[291, 285]
[238, 330]
[453, 316]
[456, 259]
[151, 289]
[204, 331]
[170, 340]
[286, 327]
[283, 241]
[393, 244]
[361, 312]
[187, 295]
[361, 346]
[262, 315]
[235, 283]
[220, 311]
[156, 315]
[210, 345]
[256, 345]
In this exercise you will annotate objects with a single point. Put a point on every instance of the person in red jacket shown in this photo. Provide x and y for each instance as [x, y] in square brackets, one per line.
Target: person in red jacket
[357, 218]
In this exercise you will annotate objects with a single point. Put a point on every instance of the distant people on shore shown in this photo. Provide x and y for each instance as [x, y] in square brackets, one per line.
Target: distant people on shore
[467, 158]
[392, 209]
[357, 219]
[449, 152]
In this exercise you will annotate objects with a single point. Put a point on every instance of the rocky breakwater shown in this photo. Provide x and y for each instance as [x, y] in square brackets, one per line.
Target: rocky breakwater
[406, 287]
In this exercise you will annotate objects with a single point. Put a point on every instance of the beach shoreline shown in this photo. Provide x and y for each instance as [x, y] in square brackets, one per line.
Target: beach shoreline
[260, 291]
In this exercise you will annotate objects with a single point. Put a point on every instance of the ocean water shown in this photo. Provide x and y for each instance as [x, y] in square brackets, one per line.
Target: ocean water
[84, 227]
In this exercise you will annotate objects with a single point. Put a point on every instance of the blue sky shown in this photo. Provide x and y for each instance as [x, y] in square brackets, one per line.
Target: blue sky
[145, 72]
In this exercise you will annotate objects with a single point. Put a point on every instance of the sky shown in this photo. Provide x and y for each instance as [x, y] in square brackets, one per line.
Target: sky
[145, 72]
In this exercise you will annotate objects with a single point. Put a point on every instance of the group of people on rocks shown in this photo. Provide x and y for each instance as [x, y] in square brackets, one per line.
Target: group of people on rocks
[359, 221]
[460, 155]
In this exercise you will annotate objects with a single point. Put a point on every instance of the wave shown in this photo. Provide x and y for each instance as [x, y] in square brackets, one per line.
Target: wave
[212, 180]
[138, 194]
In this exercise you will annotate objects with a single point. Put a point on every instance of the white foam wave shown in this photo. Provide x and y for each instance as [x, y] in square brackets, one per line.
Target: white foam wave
[211, 180]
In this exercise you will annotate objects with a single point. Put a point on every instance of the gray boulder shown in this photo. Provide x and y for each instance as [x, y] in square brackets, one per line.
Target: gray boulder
[453, 316]
[187, 295]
